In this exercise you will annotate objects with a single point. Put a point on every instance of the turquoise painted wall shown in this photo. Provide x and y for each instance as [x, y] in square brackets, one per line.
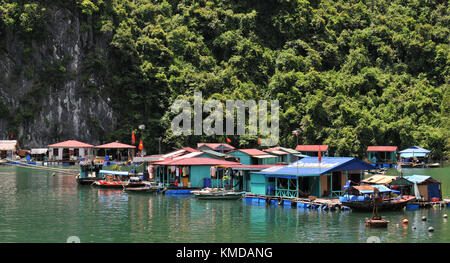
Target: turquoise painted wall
[244, 158]
[258, 184]
[198, 173]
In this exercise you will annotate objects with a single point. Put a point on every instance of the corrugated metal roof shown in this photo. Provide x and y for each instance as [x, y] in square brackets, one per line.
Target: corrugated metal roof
[417, 178]
[189, 155]
[369, 189]
[382, 148]
[219, 154]
[380, 179]
[310, 166]
[216, 146]
[8, 145]
[197, 161]
[415, 149]
[115, 145]
[71, 144]
[311, 148]
[252, 152]
[277, 152]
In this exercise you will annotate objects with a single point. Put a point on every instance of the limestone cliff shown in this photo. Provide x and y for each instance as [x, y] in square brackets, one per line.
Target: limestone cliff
[48, 85]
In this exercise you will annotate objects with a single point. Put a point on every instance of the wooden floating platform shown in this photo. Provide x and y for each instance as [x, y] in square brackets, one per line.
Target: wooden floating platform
[318, 203]
[442, 203]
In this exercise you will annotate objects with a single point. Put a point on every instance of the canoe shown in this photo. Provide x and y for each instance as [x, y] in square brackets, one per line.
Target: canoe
[219, 195]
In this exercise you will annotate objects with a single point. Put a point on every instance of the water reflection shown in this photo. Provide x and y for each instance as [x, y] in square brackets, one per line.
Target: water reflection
[39, 207]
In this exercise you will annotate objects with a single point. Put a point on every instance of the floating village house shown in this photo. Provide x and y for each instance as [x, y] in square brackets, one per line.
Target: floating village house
[8, 148]
[119, 151]
[69, 151]
[312, 150]
[39, 154]
[382, 156]
[190, 172]
[414, 154]
[285, 155]
[254, 157]
[309, 177]
[428, 188]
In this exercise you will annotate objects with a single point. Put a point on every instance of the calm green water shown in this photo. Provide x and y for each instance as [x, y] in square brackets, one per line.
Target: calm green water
[38, 207]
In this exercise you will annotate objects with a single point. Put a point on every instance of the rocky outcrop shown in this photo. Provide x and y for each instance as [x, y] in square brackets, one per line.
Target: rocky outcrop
[72, 105]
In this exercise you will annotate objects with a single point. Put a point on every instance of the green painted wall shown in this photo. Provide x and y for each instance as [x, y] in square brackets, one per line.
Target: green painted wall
[244, 158]
[198, 173]
[258, 184]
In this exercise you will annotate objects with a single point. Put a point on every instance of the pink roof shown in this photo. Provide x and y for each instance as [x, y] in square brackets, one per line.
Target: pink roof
[252, 152]
[70, 144]
[189, 149]
[196, 161]
[215, 146]
[382, 148]
[115, 145]
[311, 148]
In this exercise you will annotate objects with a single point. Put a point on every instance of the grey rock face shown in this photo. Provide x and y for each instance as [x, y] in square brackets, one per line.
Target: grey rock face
[68, 110]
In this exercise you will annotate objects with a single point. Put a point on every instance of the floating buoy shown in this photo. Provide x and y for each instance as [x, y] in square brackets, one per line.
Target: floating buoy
[424, 218]
[430, 229]
[445, 215]
[405, 221]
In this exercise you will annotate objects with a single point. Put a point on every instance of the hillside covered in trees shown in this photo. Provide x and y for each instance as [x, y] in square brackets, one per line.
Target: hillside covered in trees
[349, 73]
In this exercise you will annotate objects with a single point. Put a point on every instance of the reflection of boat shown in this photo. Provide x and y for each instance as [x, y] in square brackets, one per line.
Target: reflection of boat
[215, 194]
[359, 198]
[118, 179]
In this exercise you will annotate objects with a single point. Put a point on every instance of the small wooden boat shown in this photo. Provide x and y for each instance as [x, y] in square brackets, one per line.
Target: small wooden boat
[147, 188]
[142, 189]
[386, 204]
[210, 194]
[89, 174]
[118, 180]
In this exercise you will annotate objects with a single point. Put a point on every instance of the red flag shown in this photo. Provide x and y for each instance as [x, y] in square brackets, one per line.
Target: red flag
[259, 140]
[320, 155]
[228, 140]
[132, 137]
[11, 135]
[141, 146]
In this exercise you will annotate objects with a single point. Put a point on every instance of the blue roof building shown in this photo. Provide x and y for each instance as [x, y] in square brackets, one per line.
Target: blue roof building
[309, 177]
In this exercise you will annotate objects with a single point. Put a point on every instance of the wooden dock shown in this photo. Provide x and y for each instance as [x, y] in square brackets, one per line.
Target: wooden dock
[317, 203]
[328, 204]
[442, 203]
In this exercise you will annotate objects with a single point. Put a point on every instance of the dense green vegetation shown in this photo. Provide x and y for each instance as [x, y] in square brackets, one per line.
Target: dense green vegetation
[349, 73]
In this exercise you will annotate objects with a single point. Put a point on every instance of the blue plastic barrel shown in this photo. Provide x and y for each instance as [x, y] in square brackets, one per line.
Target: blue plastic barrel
[360, 198]
[352, 198]
[206, 182]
